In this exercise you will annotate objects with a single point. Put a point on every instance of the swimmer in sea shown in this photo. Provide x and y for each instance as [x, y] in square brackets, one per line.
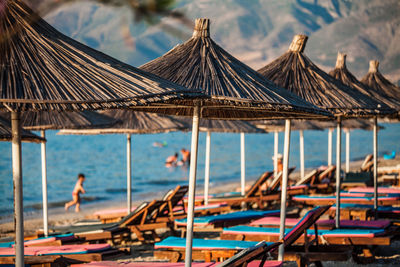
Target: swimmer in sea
[76, 199]
[171, 161]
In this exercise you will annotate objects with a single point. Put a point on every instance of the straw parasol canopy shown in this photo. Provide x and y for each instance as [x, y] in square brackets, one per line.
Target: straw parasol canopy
[236, 91]
[42, 69]
[133, 122]
[279, 125]
[349, 124]
[375, 80]
[297, 73]
[224, 126]
[341, 73]
[26, 136]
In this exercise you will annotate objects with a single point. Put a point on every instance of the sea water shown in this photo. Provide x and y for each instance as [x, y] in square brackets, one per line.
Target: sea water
[102, 158]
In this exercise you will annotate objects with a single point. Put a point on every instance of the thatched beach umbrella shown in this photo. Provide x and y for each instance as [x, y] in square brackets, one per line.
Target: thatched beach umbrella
[42, 121]
[235, 90]
[278, 126]
[26, 136]
[343, 74]
[42, 69]
[297, 73]
[132, 122]
[224, 126]
[380, 85]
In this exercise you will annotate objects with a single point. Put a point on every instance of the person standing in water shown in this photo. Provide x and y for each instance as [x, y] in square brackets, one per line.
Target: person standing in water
[171, 161]
[76, 198]
[185, 156]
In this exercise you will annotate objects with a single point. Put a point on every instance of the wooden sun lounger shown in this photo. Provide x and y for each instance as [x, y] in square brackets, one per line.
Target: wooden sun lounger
[216, 223]
[213, 251]
[349, 211]
[256, 194]
[65, 257]
[315, 200]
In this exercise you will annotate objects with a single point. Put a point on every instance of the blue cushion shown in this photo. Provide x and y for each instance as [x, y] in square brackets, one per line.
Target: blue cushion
[248, 214]
[177, 242]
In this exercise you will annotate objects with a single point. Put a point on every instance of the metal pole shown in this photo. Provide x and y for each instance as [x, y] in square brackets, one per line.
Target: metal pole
[242, 164]
[207, 168]
[302, 153]
[192, 185]
[44, 185]
[128, 173]
[330, 133]
[338, 168]
[276, 147]
[18, 197]
[284, 187]
[376, 167]
[347, 131]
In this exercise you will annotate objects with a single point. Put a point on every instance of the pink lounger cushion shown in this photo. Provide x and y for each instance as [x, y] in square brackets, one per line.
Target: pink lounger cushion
[381, 190]
[50, 250]
[112, 211]
[168, 264]
[290, 222]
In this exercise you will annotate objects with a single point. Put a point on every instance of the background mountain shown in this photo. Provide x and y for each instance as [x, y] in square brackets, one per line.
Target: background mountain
[254, 31]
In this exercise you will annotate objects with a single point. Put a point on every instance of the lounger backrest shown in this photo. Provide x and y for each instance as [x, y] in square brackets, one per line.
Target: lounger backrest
[249, 254]
[143, 215]
[275, 182]
[366, 162]
[307, 178]
[133, 214]
[256, 186]
[172, 198]
[306, 222]
[327, 172]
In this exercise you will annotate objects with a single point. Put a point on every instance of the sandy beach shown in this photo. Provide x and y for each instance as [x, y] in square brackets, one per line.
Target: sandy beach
[385, 255]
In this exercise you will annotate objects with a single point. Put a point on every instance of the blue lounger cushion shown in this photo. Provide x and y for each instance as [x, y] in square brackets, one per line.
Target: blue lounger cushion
[177, 242]
[239, 215]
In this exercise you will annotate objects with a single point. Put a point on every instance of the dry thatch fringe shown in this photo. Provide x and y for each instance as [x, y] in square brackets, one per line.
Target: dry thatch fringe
[279, 125]
[54, 120]
[42, 69]
[379, 83]
[349, 124]
[345, 76]
[223, 126]
[236, 90]
[133, 122]
[26, 136]
[297, 73]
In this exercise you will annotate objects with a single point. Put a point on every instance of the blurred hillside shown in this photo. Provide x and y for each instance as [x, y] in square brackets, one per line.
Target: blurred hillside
[254, 31]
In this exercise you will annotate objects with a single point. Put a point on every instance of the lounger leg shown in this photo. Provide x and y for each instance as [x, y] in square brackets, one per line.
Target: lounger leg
[138, 233]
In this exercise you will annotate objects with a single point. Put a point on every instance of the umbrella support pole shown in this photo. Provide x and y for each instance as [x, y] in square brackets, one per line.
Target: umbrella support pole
[376, 167]
[17, 180]
[347, 131]
[128, 173]
[276, 149]
[330, 137]
[301, 133]
[242, 164]
[338, 169]
[192, 185]
[44, 184]
[284, 187]
[207, 168]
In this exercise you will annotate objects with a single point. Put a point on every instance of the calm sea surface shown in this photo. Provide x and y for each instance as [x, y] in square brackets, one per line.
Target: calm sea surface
[103, 160]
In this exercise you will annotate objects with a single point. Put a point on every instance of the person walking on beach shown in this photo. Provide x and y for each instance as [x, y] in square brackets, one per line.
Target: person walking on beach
[76, 199]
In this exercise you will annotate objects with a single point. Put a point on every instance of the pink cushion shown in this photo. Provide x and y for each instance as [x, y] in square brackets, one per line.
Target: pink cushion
[275, 221]
[112, 211]
[144, 264]
[66, 249]
[382, 190]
